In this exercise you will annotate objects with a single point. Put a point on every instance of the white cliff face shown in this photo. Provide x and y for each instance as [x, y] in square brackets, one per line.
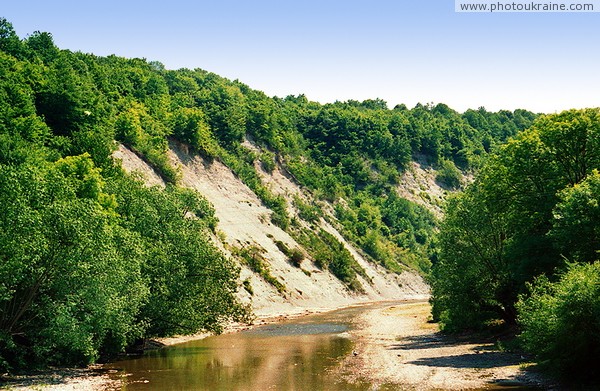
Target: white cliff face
[245, 222]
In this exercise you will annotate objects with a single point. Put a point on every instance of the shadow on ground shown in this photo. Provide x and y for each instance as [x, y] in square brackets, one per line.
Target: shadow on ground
[470, 360]
[480, 354]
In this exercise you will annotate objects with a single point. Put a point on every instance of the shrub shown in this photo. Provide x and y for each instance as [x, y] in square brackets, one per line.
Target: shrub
[267, 161]
[248, 286]
[253, 257]
[561, 322]
[448, 175]
[295, 256]
[330, 254]
[307, 212]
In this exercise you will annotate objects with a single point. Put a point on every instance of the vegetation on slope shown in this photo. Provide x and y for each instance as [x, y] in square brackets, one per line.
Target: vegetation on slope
[92, 260]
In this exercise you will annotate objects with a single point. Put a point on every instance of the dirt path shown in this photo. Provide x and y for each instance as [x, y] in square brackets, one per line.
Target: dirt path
[397, 349]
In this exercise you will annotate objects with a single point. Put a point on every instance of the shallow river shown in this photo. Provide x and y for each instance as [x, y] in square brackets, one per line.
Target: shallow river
[298, 354]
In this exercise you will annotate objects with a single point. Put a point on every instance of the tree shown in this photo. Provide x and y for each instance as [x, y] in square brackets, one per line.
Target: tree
[9, 41]
[190, 126]
[572, 138]
[70, 283]
[507, 228]
[576, 224]
[41, 45]
[225, 108]
[472, 282]
[561, 322]
[192, 285]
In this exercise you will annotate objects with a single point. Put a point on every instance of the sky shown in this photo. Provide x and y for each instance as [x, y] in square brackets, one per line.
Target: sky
[402, 51]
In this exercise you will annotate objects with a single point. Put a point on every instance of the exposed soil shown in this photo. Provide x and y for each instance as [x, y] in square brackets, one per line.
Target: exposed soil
[396, 348]
[67, 379]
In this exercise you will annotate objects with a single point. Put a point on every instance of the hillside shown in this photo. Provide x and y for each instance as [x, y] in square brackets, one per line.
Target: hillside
[245, 222]
[242, 204]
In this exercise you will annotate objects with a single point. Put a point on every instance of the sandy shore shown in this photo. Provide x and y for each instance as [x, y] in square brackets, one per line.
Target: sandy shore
[396, 348]
[63, 379]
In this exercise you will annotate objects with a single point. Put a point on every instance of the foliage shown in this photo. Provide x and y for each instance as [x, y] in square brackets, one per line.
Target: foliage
[252, 256]
[185, 271]
[497, 235]
[241, 163]
[93, 260]
[329, 253]
[190, 126]
[472, 281]
[267, 160]
[295, 255]
[576, 223]
[561, 322]
[306, 211]
[248, 287]
[448, 175]
[69, 287]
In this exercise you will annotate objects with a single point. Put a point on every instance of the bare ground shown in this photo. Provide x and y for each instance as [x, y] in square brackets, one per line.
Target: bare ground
[396, 348]
[63, 379]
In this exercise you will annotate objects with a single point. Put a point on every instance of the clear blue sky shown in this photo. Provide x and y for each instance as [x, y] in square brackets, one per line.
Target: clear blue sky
[398, 50]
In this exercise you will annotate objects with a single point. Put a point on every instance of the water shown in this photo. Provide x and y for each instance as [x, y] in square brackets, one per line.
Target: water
[299, 354]
[294, 355]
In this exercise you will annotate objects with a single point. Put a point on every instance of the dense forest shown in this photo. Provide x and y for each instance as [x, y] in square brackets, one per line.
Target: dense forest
[93, 260]
[521, 244]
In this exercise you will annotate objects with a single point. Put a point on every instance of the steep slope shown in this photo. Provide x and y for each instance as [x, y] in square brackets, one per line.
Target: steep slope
[244, 222]
[418, 185]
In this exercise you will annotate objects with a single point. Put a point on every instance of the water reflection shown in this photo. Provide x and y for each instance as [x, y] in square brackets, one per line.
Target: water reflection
[300, 355]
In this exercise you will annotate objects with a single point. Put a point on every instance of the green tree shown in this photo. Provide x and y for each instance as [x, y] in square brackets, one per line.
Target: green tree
[561, 322]
[448, 175]
[41, 45]
[10, 43]
[576, 224]
[70, 283]
[192, 285]
[472, 283]
[499, 232]
[190, 126]
[225, 108]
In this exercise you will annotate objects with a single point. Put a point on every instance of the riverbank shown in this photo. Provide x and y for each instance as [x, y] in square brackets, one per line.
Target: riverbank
[94, 378]
[97, 378]
[396, 348]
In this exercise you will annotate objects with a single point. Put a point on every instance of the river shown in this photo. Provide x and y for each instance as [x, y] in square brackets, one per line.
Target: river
[307, 353]
[298, 354]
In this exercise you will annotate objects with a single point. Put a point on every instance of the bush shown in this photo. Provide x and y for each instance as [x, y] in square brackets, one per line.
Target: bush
[267, 161]
[561, 322]
[448, 175]
[248, 286]
[295, 255]
[330, 254]
[307, 212]
[252, 256]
